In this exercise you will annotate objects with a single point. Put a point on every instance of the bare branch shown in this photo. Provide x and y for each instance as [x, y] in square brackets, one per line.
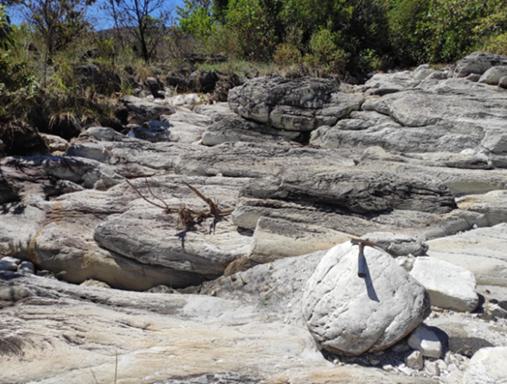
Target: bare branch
[164, 207]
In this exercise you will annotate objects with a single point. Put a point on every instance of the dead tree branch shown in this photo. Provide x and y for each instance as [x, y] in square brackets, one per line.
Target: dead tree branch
[188, 219]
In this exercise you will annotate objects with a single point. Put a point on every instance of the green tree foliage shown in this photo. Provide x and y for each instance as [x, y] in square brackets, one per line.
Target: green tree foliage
[367, 34]
[325, 51]
[409, 35]
[17, 84]
[196, 17]
[451, 23]
[248, 21]
[58, 22]
[5, 29]
[443, 30]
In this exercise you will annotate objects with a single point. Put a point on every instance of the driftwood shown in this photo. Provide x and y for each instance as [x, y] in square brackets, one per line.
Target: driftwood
[188, 218]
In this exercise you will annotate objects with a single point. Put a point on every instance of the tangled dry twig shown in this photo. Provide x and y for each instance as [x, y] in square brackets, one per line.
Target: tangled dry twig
[188, 218]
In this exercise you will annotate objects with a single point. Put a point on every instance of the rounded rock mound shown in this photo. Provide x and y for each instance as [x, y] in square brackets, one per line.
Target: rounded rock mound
[352, 315]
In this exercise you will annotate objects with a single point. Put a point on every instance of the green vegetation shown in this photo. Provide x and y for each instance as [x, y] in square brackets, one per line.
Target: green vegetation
[356, 36]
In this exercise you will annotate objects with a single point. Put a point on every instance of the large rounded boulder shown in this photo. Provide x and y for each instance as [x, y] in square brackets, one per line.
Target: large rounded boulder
[352, 315]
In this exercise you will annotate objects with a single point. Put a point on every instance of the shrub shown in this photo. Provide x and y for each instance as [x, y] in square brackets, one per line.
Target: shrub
[287, 54]
[496, 44]
[326, 53]
[248, 23]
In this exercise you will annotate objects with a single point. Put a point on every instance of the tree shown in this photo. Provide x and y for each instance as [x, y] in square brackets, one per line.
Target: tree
[145, 19]
[59, 22]
[195, 17]
[5, 28]
[249, 22]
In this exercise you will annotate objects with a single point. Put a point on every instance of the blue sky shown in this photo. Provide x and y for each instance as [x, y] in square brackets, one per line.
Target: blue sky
[96, 15]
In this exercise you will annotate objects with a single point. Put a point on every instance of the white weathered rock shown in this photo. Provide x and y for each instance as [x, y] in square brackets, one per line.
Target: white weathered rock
[82, 335]
[492, 204]
[384, 83]
[426, 340]
[481, 251]
[487, 367]
[415, 360]
[9, 263]
[493, 75]
[449, 286]
[350, 315]
[278, 238]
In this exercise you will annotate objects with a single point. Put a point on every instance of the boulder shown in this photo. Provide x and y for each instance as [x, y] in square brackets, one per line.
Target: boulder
[449, 286]
[493, 75]
[292, 104]
[350, 315]
[427, 341]
[502, 83]
[487, 367]
[478, 63]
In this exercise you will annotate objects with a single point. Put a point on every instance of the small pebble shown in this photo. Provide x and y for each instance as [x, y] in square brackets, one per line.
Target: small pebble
[415, 360]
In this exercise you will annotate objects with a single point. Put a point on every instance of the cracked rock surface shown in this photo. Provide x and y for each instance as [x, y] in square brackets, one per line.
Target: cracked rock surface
[213, 235]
